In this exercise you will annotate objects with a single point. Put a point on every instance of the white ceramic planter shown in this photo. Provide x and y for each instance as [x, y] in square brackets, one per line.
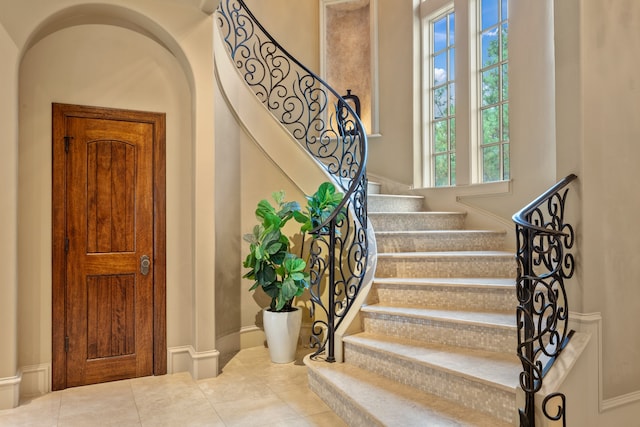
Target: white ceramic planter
[282, 330]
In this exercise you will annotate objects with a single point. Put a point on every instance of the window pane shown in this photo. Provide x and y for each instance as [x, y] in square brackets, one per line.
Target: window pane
[490, 87]
[452, 133]
[442, 170]
[440, 137]
[440, 69]
[440, 34]
[491, 125]
[453, 169]
[489, 13]
[452, 99]
[505, 41]
[505, 122]
[452, 64]
[440, 102]
[505, 82]
[491, 163]
[506, 161]
[452, 28]
[505, 9]
[490, 48]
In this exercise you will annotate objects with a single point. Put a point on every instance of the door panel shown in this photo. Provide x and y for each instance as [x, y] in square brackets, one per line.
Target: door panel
[110, 308]
[109, 227]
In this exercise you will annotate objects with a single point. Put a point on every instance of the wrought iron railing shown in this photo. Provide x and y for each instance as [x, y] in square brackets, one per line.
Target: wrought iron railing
[544, 262]
[322, 122]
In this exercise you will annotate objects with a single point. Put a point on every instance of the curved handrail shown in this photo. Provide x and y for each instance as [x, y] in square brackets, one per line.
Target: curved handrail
[326, 125]
[521, 216]
[544, 241]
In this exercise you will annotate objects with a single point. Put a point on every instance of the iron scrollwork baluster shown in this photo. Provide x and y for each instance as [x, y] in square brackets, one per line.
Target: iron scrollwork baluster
[544, 263]
[322, 122]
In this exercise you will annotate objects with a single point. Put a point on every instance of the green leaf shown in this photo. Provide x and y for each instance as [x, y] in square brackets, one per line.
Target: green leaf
[289, 288]
[266, 276]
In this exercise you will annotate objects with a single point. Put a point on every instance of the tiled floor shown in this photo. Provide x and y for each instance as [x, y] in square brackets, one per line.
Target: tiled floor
[250, 391]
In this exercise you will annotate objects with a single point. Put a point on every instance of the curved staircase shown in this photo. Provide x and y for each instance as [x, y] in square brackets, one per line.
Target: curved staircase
[439, 332]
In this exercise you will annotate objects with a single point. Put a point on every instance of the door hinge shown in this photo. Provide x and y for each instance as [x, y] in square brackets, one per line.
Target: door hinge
[66, 344]
[67, 141]
[66, 245]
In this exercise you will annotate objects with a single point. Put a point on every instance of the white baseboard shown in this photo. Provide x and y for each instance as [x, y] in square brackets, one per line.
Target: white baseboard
[592, 323]
[36, 380]
[247, 337]
[200, 365]
[10, 391]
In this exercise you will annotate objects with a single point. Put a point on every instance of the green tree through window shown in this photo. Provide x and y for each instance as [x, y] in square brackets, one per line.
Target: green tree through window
[494, 91]
[443, 101]
[489, 80]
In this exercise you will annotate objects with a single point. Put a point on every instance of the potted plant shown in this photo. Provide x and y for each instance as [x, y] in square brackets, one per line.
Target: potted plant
[280, 273]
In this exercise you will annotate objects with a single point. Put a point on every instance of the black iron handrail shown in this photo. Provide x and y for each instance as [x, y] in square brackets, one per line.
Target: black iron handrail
[544, 262]
[326, 125]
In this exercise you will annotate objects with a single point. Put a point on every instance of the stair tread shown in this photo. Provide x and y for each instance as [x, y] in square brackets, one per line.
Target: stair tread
[418, 213]
[463, 282]
[448, 254]
[391, 196]
[496, 369]
[495, 319]
[437, 232]
[394, 404]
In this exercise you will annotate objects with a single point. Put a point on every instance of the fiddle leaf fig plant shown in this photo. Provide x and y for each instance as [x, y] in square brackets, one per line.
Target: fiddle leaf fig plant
[320, 206]
[280, 273]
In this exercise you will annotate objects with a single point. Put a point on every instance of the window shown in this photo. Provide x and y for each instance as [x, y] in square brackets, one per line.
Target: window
[468, 129]
[443, 100]
[494, 87]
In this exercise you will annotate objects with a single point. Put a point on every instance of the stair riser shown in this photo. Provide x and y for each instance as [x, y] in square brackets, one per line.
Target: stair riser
[483, 337]
[440, 242]
[472, 394]
[416, 222]
[394, 203]
[342, 405]
[445, 267]
[446, 298]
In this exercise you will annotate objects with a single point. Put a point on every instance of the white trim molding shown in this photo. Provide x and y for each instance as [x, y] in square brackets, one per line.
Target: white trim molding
[200, 365]
[10, 391]
[36, 380]
[592, 323]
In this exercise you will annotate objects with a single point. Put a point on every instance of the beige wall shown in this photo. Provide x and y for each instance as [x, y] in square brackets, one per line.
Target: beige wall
[9, 53]
[294, 25]
[600, 127]
[391, 154]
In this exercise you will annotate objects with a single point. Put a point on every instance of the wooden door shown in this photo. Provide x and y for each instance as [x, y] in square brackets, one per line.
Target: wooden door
[105, 193]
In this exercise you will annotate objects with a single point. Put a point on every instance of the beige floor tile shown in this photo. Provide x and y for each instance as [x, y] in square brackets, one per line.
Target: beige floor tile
[262, 411]
[40, 411]
[250, 391]
[304, 401]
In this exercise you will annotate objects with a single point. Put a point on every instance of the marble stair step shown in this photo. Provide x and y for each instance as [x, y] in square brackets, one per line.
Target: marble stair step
[481, 380]
[363, 398]
[482, 294]
[446, 264]
[394, 203]
[440, 240]
[492, 331]
[417, 221]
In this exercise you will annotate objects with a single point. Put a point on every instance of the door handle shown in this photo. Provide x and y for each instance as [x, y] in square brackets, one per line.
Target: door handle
[145, 263]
